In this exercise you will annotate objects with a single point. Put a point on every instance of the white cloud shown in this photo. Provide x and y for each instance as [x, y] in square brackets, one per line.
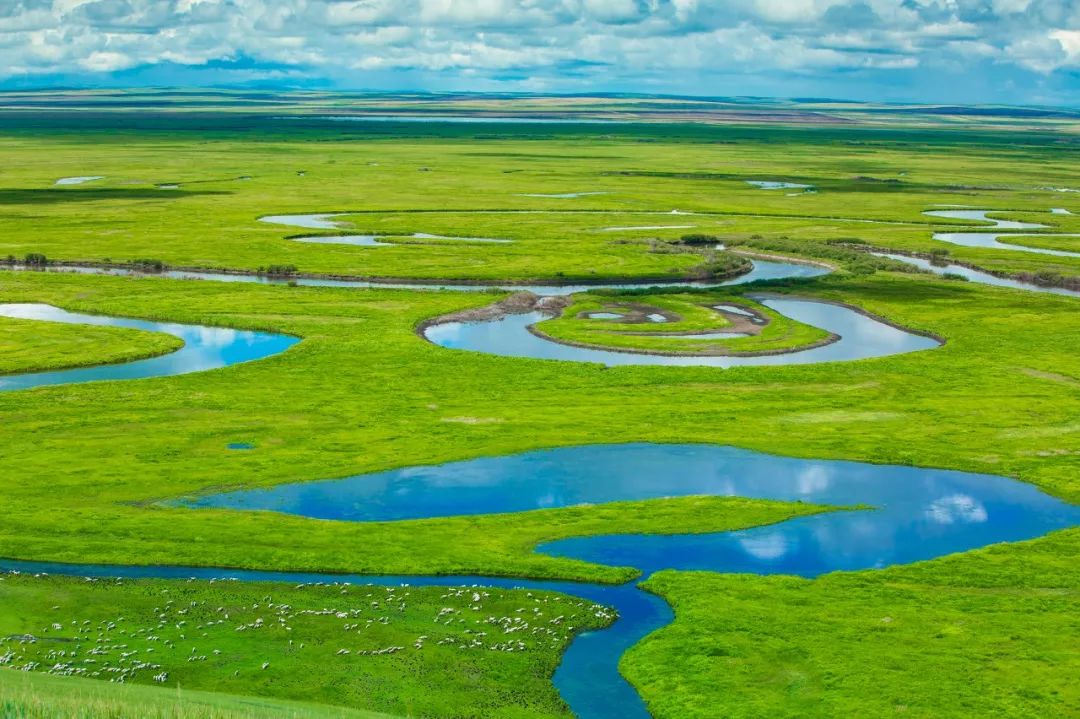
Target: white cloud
[539, 41]
[99, 61]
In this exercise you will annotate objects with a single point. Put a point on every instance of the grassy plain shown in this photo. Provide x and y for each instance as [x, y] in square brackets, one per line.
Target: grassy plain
[985, 633]
[400, 178]
[33, 695]
[410, 651]
[362, 392]
[316, 412]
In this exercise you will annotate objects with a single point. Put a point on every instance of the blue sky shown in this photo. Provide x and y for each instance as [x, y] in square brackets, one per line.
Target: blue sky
[956, 51]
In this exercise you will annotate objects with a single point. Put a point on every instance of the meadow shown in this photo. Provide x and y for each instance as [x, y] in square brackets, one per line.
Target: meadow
[93, 471]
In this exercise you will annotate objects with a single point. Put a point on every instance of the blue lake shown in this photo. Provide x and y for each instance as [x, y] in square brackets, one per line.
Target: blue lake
[916, 514]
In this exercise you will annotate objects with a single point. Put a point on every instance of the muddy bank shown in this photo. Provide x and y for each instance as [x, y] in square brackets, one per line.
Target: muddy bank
[518, 303]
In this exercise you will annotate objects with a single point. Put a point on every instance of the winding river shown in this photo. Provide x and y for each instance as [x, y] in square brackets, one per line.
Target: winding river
[762, 270]
[860, 337]
[917, 514]
[974, 275]
[990, 239]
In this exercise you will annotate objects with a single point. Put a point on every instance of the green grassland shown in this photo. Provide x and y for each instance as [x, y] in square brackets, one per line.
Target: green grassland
[316, 412]
[33, 695]
[985, 633]
[363, 392]
[29, 345]
[473, 181]
[427, 651]
[689, 313]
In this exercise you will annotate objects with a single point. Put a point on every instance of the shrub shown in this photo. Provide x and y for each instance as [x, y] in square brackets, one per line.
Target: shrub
[699, 239]
[278, 270]
[35, 259]
[147, 265]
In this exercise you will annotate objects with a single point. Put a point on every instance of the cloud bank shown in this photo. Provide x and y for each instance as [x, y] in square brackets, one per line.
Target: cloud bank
[944, 50]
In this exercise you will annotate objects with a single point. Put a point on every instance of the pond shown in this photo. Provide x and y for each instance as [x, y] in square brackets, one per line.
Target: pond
[771, 185]
[914, 514]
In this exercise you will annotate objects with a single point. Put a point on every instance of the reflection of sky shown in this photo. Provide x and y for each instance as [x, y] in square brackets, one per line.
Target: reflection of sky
[327, 222]
[771, 185]
[357, 240]
[918, 513]
[311, 222]
[767, 547]
[956, 508]
[204, 348]
[77, 180]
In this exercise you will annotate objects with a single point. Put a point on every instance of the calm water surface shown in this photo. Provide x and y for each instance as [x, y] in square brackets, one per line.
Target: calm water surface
[78, 180]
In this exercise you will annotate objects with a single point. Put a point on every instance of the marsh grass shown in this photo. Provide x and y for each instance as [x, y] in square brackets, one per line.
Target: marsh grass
[36, 696]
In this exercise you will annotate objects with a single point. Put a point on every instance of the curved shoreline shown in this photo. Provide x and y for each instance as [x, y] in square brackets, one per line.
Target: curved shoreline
[904, 501]
[202, 348]
[523, 303]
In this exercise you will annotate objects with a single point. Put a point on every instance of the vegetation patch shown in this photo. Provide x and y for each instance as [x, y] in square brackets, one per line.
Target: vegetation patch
[34, 695]
[679, 323]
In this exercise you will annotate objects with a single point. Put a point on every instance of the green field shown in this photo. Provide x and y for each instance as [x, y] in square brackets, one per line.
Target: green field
[987, 633]
[32, 695]
[404, 650]
[92, 471]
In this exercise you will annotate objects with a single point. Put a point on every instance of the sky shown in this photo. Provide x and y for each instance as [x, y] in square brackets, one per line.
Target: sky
[942, 51]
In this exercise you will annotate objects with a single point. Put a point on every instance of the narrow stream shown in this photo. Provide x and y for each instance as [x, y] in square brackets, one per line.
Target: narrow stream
[990, 239]
[973, 275]
[917, 513]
